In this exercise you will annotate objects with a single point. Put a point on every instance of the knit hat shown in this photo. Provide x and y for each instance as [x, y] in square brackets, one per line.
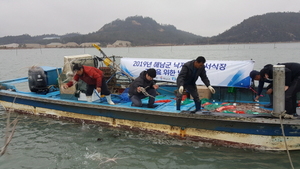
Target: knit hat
[151, 72]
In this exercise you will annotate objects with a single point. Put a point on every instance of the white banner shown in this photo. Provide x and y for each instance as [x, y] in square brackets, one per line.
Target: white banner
[220, 73]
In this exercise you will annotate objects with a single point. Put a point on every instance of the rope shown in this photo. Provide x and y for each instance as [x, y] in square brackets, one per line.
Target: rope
[143, 90]
[285, 143]
[255, 92]
[166, 90]
[97, 94]
[10, 129]
[163, 83]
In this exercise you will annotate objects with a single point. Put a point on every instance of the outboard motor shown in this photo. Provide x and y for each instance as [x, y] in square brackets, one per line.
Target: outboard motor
[37, 80]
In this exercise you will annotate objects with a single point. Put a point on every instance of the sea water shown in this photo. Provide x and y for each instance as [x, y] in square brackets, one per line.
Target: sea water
[41, 142]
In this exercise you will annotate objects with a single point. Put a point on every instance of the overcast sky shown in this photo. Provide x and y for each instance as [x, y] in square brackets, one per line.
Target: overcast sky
[201, 17]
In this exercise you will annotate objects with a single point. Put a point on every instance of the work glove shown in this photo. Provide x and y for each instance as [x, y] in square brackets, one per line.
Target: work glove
[212, 90]
[180, 90]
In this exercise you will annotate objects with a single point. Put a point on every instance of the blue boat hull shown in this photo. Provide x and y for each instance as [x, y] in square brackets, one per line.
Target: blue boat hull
[261, 132]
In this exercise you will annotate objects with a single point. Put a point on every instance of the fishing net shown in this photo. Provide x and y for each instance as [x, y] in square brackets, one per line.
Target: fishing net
[204, 100]
[211, 107]
[230, 112]
[187, 101]
[252, 112]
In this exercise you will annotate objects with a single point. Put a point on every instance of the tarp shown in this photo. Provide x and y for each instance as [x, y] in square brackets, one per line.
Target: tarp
[219, 72]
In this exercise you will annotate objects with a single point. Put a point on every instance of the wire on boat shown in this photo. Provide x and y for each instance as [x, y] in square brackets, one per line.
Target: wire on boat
[108, 62]
[286, 147]
[58, 74]
[165, 90]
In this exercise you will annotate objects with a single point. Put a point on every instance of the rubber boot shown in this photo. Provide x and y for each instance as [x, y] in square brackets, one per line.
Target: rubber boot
[271, 99]
[109, 101]
[271, 102]
[178, 103]
[89, 98]
[197, 105]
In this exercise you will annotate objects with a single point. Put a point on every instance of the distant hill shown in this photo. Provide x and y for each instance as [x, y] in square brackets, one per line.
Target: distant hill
[137, 29]
[41, 39]
[270, 27]
[141, 31]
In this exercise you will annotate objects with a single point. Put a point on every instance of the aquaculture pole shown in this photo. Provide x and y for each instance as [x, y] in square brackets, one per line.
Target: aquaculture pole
[278, 90]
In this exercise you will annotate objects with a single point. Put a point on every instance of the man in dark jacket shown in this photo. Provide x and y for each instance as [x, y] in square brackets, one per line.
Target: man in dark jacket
[93, 77]
[292, 85]
[143, 86]
[187, 78]
[254, 75]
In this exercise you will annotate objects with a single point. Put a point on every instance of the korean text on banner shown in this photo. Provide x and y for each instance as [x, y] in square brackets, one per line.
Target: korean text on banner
[220, 73]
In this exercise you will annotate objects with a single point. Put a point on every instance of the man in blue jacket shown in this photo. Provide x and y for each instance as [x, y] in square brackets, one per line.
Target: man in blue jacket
[187, 78]
[292, 85]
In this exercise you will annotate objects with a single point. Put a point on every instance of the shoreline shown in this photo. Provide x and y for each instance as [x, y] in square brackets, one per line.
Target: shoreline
[159, 45]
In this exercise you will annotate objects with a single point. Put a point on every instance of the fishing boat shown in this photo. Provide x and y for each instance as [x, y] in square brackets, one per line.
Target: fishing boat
[41, 94]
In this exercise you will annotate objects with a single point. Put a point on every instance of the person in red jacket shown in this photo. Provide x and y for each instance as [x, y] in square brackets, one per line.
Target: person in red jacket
[93, 77]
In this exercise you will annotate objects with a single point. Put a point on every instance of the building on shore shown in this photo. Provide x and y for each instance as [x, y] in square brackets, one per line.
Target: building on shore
[33, 45]
[71, 45]
[55, 45]
[120, 43]
[9, 46]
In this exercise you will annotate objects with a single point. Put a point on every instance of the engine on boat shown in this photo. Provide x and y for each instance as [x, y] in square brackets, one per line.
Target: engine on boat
[37, 79]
